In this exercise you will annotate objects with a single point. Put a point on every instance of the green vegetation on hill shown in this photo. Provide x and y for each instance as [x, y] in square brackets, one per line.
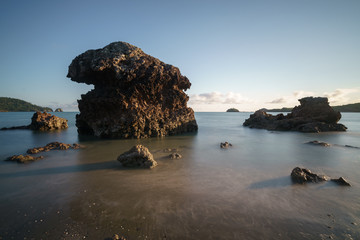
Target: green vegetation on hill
[232, 110]
[17, 105]
[354, 107]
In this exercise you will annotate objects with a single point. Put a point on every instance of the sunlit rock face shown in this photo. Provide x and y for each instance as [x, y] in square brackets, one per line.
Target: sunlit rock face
[135, 95]
[313, 115]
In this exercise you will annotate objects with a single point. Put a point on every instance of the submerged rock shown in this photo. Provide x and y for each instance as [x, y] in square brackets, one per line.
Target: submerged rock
[175, 156]
[53, 146]
[23, 159]
[135, 95]
[137, 156]
[303, 175]
[341, 181]
[313, 115]
[225, 145]
[318, 143]
[43, 122]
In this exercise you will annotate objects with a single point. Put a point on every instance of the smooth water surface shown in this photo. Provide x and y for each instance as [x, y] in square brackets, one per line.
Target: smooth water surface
[244, 192]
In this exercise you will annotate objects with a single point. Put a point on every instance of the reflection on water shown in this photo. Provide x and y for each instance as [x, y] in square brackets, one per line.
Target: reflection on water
[243, 192]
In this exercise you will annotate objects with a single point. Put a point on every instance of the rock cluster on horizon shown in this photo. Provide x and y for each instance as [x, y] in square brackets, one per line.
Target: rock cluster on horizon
[135, 95]
[313, 115]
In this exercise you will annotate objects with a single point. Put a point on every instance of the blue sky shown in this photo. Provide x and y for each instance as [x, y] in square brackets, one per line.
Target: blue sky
[243, 54]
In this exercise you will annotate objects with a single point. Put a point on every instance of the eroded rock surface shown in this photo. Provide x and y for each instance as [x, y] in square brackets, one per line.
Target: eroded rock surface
[313, 115]
[135, 95]
[138, 156]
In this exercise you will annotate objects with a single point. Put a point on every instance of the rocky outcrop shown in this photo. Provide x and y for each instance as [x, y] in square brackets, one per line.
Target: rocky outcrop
[303, 175]
[53, 146]
[58, 110]
[43, 122]
[313, 115]
[135, 95]
[138, 156]
[23, 159]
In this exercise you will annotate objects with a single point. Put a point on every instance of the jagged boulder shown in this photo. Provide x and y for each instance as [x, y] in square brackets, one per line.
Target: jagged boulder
[135, 95]
[303, 175]
[313, 115]
[138, 156]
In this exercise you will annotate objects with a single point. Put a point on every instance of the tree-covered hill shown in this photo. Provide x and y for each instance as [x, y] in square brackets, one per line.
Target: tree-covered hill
[354, 107]
[17, 105]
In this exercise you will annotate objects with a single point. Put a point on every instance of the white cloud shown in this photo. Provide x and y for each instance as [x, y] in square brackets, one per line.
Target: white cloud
[218, 98]
[340, 96]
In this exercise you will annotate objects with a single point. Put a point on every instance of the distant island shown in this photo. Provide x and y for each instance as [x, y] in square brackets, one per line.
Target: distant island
[354, 107]
[17, 105]
[232, 110]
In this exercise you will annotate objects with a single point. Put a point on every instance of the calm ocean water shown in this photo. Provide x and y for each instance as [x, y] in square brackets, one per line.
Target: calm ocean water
[244, 192]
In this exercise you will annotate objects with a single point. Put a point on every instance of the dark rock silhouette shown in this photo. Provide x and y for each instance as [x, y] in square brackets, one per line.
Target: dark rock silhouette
[135, 94]
[225, 145]
[43, 122]
[313, 115]
[138, 156]
[58, 110]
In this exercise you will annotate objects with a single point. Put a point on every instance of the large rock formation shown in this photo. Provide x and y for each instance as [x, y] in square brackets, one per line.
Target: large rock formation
[43, 122]
[135, 94]
[313, 115]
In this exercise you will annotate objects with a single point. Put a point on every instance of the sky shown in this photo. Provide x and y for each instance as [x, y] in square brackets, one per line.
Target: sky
[243, 54]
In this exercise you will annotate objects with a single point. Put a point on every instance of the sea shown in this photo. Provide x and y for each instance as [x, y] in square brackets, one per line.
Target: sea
[243, 192]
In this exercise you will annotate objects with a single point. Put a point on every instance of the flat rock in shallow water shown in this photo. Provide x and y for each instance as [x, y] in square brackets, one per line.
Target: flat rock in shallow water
[318, 143]
[341, 181]
[135, 95]
[53, 146]
[23, 159]
[138, 156]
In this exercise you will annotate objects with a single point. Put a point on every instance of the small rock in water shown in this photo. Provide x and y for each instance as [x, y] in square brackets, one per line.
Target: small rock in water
[137, 156]
[175, 156]
[225, 145]
[341, 181]
[23, 159]
[303, 175]
[318, 143]
[117, 237]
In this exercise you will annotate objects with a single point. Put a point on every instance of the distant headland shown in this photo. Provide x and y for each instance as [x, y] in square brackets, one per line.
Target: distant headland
[354, 107]
[232, 110]
[16, 105]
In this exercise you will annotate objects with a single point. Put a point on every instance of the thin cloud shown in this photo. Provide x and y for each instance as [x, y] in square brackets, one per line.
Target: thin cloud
[278, 100]
[218, 98]
[340, 95]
